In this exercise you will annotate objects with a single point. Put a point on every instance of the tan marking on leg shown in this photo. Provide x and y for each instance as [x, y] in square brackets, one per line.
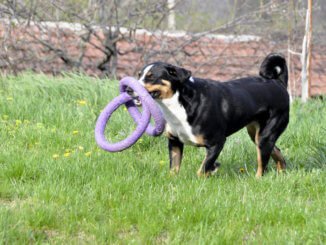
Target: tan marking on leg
[279, 160]
[260, 170]
[201, 172]
[176, 159]
[251, 128]
[200, 141]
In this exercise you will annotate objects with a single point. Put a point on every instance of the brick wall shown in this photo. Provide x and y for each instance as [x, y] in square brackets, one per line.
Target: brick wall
[214, 56]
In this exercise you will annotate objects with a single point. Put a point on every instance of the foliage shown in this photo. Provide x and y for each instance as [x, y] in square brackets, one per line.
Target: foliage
[57, 187]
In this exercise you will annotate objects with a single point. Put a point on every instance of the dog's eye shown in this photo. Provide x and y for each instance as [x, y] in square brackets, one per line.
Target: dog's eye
[149, 76]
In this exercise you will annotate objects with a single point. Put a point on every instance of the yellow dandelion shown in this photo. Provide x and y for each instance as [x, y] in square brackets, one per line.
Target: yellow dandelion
[67, 150]
[10, 98]
[75, 132]
[140, 140]
[125, 109]
[82, 102]
[55, 156]
[80, 148]
[18, 122]
[67, 154]
[87, 154]
[162, 162]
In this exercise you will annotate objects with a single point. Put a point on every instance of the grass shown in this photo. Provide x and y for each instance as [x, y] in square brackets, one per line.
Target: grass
[57, 187]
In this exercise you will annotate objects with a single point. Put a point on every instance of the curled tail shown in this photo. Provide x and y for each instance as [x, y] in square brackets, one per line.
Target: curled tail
[274, 67]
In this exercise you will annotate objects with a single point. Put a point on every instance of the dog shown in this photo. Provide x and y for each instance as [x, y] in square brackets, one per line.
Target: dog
[203, 112]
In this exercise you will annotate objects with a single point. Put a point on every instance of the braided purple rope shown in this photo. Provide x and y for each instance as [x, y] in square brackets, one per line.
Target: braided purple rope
[142, 119]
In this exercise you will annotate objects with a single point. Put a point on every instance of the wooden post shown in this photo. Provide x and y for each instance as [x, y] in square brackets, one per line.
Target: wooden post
[171, 15]
[306, 56]
[290, 18]
[309, 44]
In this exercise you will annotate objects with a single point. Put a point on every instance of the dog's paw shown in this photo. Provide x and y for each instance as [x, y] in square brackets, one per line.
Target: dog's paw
[174, 171]
[209, 172]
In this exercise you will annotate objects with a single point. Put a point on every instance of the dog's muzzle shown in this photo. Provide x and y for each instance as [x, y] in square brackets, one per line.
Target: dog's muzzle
[134, 96]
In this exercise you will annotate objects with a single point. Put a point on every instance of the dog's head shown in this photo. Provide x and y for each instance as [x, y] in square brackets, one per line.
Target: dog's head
[162, 80]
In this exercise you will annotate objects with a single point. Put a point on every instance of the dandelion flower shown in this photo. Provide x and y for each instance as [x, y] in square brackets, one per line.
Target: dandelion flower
[67, 154]
[75, 132]
[140, 140]
[80, 148]
[162, 162]
[82, 102]
[55, 156]
[88, 153]
[18, 122]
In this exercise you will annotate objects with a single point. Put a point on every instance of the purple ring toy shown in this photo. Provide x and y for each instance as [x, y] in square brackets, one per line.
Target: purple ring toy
[142, 119]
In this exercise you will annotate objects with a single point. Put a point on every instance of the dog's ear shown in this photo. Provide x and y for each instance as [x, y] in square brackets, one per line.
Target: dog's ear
[179, 73]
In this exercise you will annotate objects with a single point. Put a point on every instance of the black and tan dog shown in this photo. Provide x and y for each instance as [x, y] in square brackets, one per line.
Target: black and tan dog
[204, 113]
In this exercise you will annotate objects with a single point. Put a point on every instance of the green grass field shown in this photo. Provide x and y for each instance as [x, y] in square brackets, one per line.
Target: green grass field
[58, 187]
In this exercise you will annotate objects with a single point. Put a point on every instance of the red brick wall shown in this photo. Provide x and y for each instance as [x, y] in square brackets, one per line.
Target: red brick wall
[208, 57]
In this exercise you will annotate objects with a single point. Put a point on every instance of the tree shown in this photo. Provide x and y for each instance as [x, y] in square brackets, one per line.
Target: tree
[104, 24]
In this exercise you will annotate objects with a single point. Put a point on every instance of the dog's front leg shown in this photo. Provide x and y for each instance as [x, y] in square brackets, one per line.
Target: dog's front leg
[175, 154]
[209, 166]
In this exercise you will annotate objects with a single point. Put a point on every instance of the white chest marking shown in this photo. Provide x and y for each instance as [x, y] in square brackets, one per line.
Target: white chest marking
[176, 118]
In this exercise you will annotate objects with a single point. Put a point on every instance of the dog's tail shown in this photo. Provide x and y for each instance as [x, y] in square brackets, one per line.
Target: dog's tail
[274, 67]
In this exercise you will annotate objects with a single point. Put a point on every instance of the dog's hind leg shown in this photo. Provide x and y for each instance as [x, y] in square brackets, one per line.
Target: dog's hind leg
[253, 131]
[266, 139]
[175, 154]
[209, 166]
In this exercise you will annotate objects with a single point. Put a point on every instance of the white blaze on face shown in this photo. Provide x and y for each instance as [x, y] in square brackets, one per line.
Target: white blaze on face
[146, 70]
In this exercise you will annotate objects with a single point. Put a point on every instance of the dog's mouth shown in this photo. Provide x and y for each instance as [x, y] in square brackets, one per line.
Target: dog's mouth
[134, 96]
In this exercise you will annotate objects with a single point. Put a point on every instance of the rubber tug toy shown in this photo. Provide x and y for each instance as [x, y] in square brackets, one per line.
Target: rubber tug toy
[150, 109]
